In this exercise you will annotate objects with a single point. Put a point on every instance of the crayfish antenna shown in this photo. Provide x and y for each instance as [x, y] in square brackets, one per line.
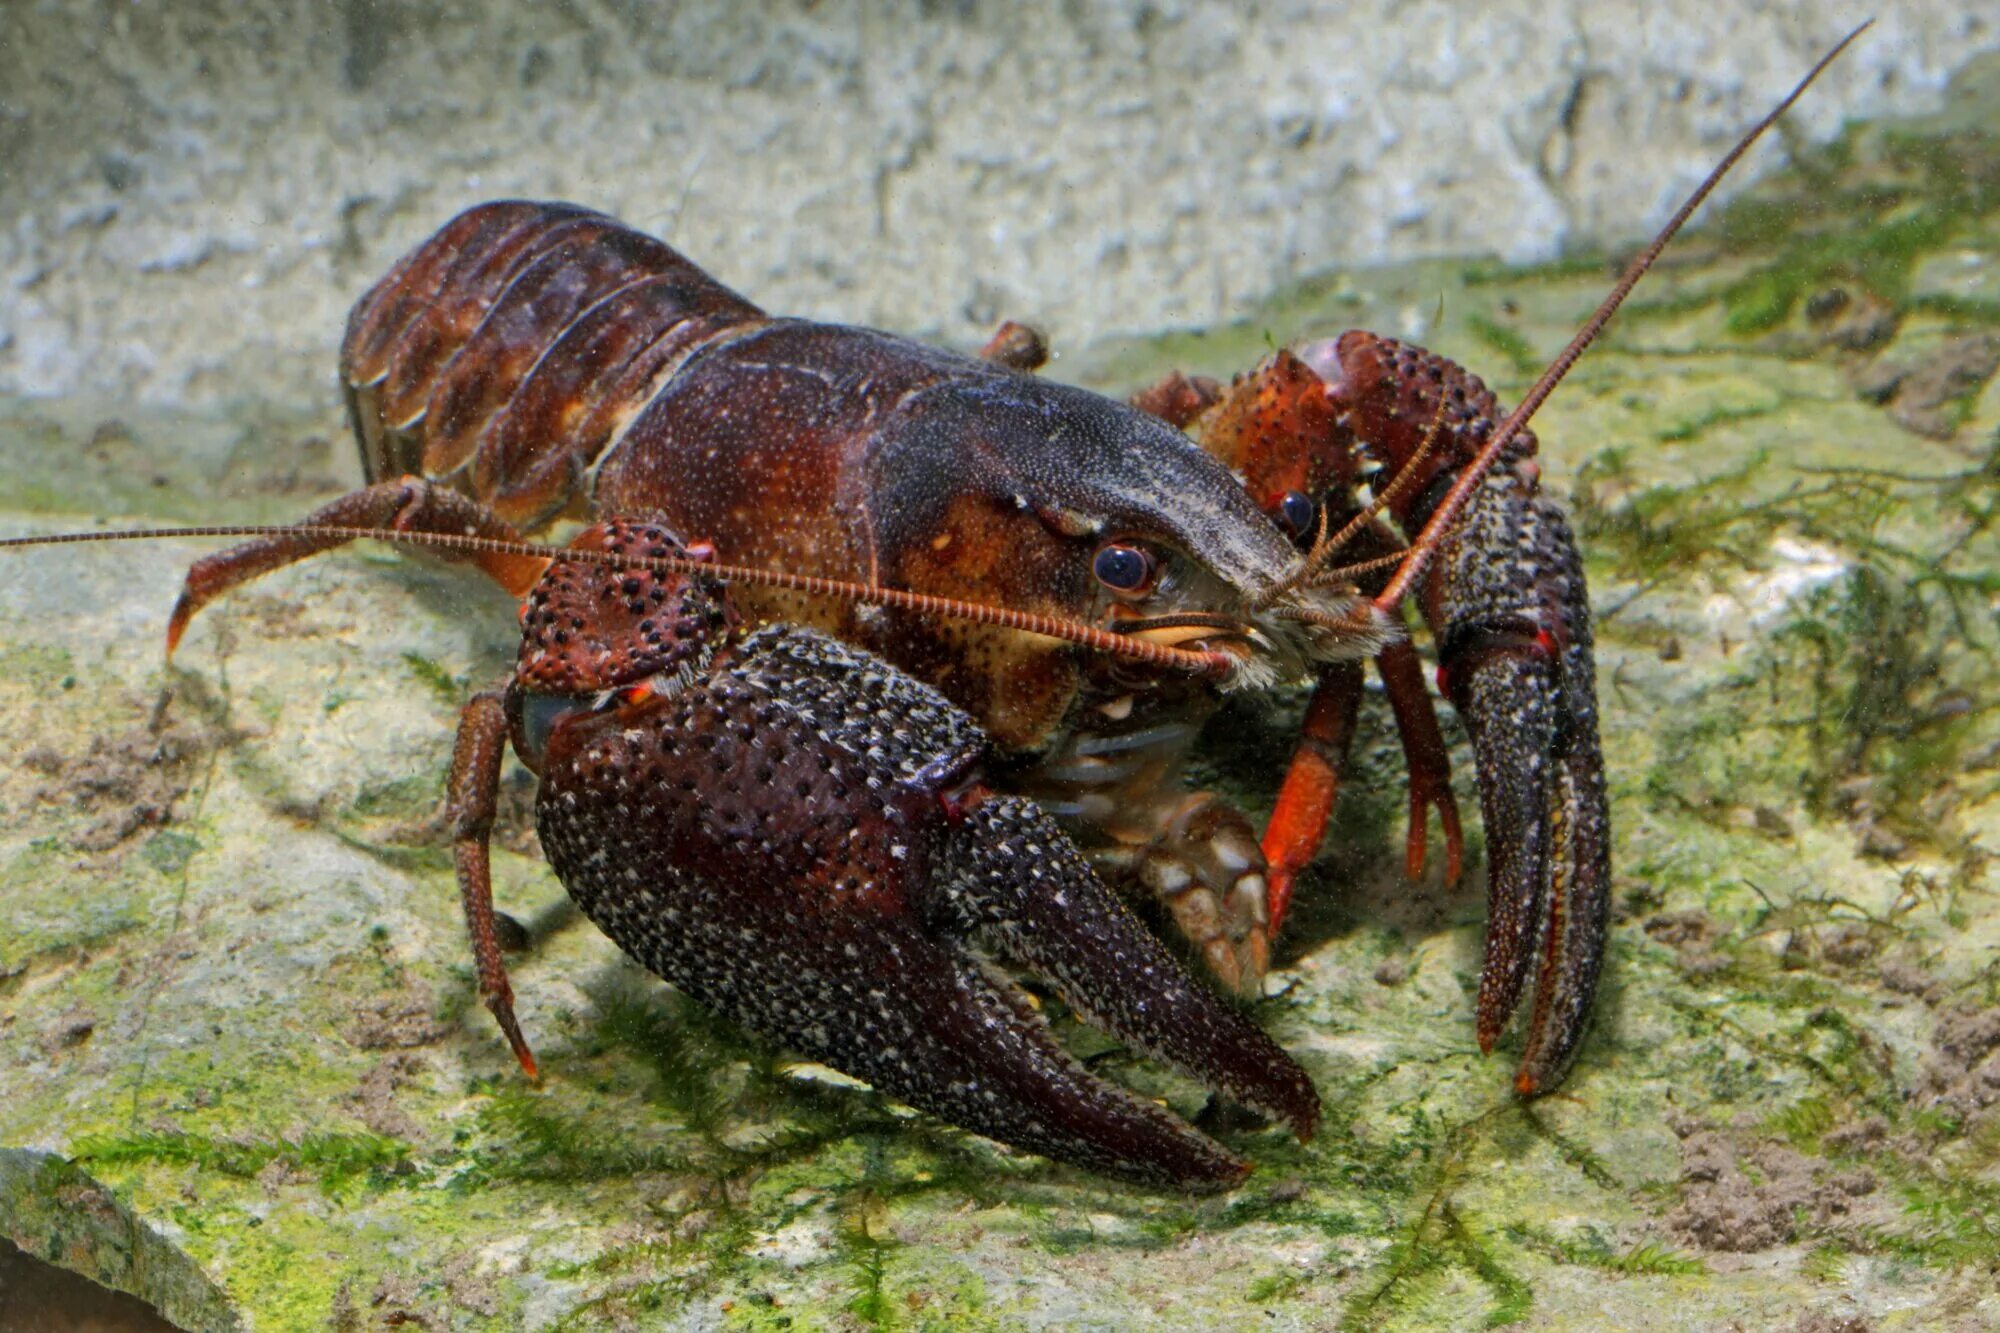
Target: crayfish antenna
[283, 543]
[1455, 500]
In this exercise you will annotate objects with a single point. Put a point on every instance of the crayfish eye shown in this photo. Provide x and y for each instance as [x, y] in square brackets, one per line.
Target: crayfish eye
[1295, 511]
[1123, 569]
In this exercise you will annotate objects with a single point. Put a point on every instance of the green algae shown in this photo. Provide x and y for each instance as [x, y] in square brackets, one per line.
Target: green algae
[1590, 1248]
[1509, 345]
[446, 688]
[331, 1160]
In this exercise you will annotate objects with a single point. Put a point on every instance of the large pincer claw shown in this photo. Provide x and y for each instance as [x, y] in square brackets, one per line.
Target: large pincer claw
[1524, 685]
[1011, 878]
[800, 841]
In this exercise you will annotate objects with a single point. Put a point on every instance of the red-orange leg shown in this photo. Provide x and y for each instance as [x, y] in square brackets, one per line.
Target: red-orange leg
[1305, 801]
[1312, 781]
[1425, 757]
[409, 505]
[471, 794]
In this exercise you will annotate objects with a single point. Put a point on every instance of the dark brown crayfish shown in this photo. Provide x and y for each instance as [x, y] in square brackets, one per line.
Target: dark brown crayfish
[862, 634]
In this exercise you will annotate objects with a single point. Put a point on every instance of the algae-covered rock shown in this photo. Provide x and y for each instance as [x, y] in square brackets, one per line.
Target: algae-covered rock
[237, 1009]
[52, 1207]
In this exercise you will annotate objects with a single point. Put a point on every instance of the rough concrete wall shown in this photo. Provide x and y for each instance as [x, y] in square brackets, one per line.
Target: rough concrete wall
[192, 194]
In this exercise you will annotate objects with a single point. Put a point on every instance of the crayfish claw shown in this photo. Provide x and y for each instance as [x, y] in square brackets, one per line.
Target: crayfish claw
[1577, 911]
[800, 840]
[1507, 605]
[1507, 708]
[1531, 710]
[927, 1022]
[1018, 880]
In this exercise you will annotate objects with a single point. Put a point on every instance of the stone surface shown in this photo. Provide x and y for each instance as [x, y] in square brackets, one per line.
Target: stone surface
[195, 193]
[52, 1208]
[236, 1002]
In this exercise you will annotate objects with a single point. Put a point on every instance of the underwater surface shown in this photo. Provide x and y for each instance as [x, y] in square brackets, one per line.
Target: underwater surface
[248, 1078]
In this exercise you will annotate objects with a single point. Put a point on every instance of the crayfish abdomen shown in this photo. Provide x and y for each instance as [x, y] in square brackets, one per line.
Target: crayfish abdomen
[438, 389]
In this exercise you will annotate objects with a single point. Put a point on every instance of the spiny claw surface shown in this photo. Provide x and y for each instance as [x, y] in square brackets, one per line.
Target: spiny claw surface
[798, 839]
[1515, 655]
[1541, 786]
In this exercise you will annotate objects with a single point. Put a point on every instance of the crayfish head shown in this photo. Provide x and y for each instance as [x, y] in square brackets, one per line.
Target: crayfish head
[594, 632]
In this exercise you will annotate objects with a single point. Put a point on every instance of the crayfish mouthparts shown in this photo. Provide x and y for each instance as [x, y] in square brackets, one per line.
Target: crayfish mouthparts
[1284, 640]
[1307, 628]
[1284, 644]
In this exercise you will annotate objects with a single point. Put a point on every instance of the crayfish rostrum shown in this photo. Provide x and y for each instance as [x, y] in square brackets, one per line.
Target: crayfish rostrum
[872, 657]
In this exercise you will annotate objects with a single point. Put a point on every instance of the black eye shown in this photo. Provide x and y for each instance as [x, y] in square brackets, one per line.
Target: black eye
[1295, 511]
[1123, 568]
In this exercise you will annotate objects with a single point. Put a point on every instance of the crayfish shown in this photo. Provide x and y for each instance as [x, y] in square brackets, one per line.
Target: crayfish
[873, 659]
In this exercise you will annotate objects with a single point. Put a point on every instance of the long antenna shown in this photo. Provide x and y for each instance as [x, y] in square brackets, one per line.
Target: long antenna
[1460, 494]
[1197, 661]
